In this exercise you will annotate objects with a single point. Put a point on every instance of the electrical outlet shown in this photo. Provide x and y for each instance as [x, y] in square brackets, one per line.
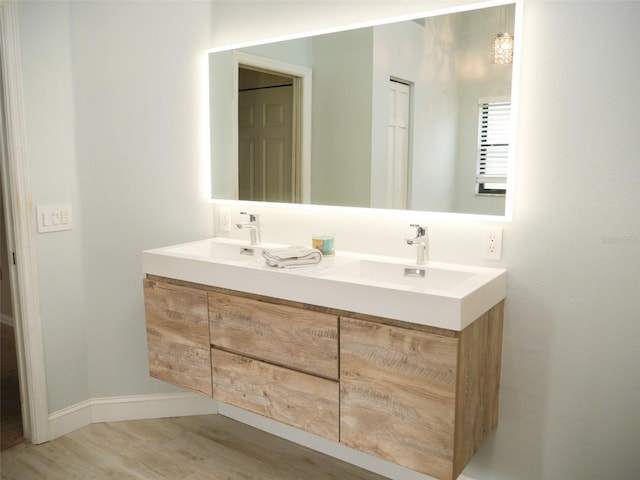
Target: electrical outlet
[225, 219]
[492, 245]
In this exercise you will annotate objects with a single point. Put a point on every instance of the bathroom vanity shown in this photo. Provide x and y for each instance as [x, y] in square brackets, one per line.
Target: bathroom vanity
[422, 394]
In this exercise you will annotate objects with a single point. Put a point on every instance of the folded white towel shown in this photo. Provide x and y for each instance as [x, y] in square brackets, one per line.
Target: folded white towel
[291, 257]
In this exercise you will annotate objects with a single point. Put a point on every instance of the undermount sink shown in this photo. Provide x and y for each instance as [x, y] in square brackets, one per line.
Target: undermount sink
[401, 275]
[440, 295]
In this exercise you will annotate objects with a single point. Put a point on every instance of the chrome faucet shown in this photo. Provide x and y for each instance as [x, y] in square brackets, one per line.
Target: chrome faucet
[254, 227]
[421, 241]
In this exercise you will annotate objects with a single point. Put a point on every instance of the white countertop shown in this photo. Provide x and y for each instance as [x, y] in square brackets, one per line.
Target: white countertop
[449, 296]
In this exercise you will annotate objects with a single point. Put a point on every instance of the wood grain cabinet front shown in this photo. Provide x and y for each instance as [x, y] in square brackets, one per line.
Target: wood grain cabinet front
[421, 400]
[288, 396]
[292, 337]
[276, 360]
[178, 335]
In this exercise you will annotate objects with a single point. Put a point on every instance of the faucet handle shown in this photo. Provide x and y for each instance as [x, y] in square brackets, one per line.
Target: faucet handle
[252, 216]
[420, 230]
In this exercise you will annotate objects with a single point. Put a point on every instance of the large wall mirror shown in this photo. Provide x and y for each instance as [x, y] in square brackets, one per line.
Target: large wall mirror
[395, 115]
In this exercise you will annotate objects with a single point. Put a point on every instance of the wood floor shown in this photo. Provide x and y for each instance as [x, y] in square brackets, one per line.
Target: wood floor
[10, 413]
[186, 448]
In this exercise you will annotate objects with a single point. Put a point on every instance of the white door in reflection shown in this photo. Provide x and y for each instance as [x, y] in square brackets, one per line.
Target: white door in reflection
[265, 143]
[398, 145]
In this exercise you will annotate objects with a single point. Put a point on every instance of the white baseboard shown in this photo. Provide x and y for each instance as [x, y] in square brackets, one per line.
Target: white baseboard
[133, 407]
[6, 319]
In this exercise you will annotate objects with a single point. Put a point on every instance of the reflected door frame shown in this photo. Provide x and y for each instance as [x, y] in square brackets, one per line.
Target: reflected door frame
[303, 88]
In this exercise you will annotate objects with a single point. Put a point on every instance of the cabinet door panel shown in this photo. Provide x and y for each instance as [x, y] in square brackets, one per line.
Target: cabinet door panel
[397, 395]
[298, 399]
[293, 337]
[178, 335]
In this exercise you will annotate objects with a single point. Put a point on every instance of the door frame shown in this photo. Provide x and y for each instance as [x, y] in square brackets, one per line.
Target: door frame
[302, 113]
[21, 234]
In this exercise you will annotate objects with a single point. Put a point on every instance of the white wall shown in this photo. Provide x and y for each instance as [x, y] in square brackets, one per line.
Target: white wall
[113, 115]
[49, 103]
[224, 183]
[113, 95]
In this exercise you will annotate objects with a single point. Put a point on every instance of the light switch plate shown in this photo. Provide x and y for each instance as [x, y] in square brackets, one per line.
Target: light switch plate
[54, 218]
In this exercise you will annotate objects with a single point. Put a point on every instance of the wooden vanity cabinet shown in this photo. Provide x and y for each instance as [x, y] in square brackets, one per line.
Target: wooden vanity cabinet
[177, 320]
[423, 400]
[422, 397]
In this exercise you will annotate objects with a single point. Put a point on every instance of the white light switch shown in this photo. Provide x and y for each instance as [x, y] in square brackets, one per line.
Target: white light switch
[54, 218]
[46, 219]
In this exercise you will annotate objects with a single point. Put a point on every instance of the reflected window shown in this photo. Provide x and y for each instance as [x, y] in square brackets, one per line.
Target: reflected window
[493, 145]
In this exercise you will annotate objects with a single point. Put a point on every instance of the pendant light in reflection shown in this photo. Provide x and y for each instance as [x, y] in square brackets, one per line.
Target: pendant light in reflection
[502, 49]
[502, 44]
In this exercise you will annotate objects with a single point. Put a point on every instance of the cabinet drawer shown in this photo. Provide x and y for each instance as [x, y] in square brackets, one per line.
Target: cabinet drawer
[297, 399]
[178, 335]
[292, 337]
[397, 395]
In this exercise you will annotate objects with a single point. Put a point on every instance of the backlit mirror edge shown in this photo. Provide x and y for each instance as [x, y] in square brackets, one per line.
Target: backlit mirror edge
[369, 23]
[515, 110]
[443, 216]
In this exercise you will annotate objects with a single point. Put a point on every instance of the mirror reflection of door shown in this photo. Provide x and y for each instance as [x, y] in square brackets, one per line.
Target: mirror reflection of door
[266, 136]
[398, 145]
